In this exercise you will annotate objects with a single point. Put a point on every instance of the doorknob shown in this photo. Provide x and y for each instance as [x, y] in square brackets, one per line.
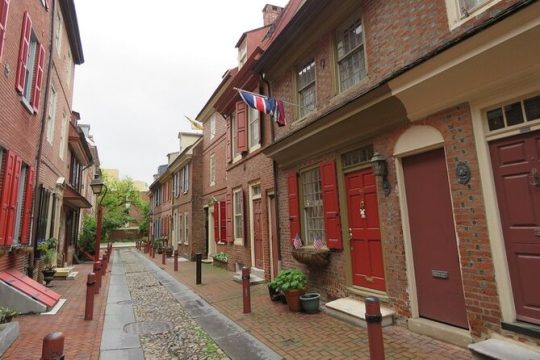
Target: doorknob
[350, 233]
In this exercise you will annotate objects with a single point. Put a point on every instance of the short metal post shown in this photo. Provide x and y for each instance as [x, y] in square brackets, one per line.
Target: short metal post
[246, 296]
[53, 346]
[90, 288]
[105, 259]
[175, 260]
[198, 258]
[163, 256]
[374, 328]
[97, 271]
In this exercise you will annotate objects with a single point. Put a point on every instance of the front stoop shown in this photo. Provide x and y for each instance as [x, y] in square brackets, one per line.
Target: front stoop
[8, 334]
[256, 276]
[501, 350]
[353, 311]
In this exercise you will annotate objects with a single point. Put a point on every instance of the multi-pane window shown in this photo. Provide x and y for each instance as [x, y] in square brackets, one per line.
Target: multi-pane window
[185, 178]
[516, 113]
[254, 130]
[181, 228]
[238, 215]
[212, 172]
[312, 204]
[29, 70]
[306, 87]
[69, 67]
[63, 137]
[58, 32]
[212, 126]
[350, 55]
[186, 228]
[4, 5]
[468, 6]
[358, 156]
[51, 115]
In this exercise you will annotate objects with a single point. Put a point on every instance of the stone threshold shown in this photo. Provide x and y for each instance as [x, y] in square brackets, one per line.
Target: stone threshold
[353, 311]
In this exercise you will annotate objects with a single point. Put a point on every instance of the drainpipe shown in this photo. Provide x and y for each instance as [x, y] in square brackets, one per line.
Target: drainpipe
[34, 219]
[274, 174]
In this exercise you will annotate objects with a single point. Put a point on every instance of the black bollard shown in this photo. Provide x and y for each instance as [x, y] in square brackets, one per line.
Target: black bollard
[198, 258]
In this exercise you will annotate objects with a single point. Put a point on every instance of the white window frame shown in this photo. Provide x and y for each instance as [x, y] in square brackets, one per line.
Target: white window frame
[69, 67]
[51, 115]
[212, 170]
[254, 129]
[235, 155]
[63, 137]
[31, 62]
[238, 213]
[456, 17]
[303, 89]
[186, 228]
[253, 196]
[308, 220]
[181, 228]
[185, 178]
[212, 126]
[360, 48]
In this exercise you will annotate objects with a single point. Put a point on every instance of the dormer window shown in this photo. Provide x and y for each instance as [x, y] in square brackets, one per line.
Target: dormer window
[242, 54]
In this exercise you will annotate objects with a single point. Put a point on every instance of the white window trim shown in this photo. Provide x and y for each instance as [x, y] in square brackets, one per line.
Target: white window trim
[237, 240]
[212, 170]
[251, 112]
[51, 115]
[234, 155]
[454, 13]
[63, 137]
[186, 228]
[58, 33]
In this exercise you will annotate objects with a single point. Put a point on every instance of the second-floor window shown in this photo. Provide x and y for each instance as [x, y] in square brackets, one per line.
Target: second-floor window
[63, 137]
[212, 126]
[468, 6]
[350, 54]
[75, 173]
[51, 115]
[4, 6]
[254, 128]
[306, 87]
[58, 32]
[185, 178]
[212, 170]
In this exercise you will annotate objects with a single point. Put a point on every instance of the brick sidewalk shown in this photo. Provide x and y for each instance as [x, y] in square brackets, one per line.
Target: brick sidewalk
[298, 335]
[82, 338]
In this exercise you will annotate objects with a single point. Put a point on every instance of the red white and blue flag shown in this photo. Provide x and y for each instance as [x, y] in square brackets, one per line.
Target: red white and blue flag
[265, 104]
[297, 242]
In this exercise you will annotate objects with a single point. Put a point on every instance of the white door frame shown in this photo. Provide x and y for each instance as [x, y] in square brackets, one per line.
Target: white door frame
[251, 222]
[211, 242]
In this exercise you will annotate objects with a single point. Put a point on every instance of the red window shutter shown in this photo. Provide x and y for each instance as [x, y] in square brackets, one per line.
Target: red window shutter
[12, 204]
[294, 221]
[4, 7]
[216, 222]
[23, 52]
[38, 80]
[332, 223]
[27, 210]
[229, 137]
[229, 218]
[222, 221]
[241, 127]
[5, 194]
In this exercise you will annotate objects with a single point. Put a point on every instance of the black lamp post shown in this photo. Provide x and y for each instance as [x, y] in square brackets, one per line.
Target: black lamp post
[98, 186]
[380, 168]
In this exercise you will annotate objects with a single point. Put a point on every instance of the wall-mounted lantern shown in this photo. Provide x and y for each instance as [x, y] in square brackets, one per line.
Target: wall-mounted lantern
[380, 168]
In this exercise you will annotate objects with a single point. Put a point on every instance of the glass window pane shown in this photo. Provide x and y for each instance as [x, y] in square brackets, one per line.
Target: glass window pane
[532, 108]
[513, 113]
[495, 119]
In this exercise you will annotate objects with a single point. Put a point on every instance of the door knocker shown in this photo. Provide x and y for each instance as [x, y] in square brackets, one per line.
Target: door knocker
[362, 210]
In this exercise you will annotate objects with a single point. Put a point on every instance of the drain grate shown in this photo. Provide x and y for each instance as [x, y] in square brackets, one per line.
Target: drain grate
[148, 327]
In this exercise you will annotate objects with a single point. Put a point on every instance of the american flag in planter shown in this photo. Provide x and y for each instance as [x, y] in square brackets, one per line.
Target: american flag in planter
[297, 242]
[318, 243]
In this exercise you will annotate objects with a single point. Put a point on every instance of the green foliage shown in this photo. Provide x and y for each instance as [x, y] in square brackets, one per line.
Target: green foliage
[143, 226]
[289, 280]
[6, 314]
[87, 239]
[221, 256]
[47, 249]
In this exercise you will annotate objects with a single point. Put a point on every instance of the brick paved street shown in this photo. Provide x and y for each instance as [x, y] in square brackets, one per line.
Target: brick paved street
[298, 335]
[82, 338]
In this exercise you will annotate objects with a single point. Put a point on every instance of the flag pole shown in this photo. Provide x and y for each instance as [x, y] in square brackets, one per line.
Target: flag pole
[286, 102]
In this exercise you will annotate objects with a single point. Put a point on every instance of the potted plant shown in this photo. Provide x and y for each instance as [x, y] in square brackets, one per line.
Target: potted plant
[293, 283]
[47, 249]
[275, 293]
[7, 314]
[220, 260]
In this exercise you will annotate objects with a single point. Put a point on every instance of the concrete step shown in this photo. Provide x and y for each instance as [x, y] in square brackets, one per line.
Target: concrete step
[501, 350]
[63, 272]
[353, 311]
[253, 279]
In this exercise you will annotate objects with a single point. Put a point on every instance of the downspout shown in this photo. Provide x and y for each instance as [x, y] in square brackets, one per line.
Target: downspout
[274, 174]
[31, 259]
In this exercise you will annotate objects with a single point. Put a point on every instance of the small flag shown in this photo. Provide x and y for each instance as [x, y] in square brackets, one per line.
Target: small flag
[259, 102]
[297, 242]
[317, 242]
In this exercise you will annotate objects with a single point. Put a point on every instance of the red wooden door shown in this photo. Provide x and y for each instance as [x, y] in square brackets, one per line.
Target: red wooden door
[433, 236]
[257, 233]
[516, 165]
[364, 231]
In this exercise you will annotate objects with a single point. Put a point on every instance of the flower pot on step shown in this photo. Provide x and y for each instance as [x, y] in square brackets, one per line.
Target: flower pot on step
[310, 302]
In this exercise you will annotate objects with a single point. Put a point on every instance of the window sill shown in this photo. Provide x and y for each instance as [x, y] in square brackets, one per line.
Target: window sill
[27, 105]
[254, 148]
[221, 243]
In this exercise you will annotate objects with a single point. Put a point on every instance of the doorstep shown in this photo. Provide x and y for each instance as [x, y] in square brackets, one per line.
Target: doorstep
[503, 350]
[256, 276]
[63, 272]
[353, 311]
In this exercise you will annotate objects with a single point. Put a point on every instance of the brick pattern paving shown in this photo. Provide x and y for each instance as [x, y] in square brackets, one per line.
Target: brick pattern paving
[82, 338]
[298, 335]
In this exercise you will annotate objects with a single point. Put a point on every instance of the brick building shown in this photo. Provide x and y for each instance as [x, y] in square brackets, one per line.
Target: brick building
[446, 94]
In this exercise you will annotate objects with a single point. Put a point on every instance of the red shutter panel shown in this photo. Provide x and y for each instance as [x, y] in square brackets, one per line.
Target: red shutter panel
[294, 221]
[38, 80]
[23, 52]
[229, 219]
[4, 7]
[216, 222]
[241, 127]
[5, 194]
[222, 221]
[27, 210]
[229, 137]
[332, 223]
[12, 204]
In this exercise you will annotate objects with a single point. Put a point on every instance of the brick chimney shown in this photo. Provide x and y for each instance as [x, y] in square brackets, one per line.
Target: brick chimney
[270, 13]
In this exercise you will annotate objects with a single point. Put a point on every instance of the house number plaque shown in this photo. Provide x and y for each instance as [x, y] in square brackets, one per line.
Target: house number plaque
[439, 274]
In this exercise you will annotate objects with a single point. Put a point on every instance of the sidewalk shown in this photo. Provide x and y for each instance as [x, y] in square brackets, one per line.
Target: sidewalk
[82, 338]
[298, 335]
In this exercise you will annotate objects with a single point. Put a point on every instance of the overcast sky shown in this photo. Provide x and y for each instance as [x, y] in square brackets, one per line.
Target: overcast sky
[149, 63]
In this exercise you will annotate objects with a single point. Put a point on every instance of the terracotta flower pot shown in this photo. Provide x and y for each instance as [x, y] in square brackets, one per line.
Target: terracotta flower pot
[293, 299]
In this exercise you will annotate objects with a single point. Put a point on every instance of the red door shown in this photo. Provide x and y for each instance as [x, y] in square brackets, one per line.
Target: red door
[257, 233]
[433, 237]
[364, 231]
[516, 164]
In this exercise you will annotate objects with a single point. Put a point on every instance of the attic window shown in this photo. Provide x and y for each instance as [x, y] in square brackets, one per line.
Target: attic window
[242, 54]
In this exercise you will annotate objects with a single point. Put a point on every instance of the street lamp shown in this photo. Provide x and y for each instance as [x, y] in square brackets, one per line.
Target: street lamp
[98, 186]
